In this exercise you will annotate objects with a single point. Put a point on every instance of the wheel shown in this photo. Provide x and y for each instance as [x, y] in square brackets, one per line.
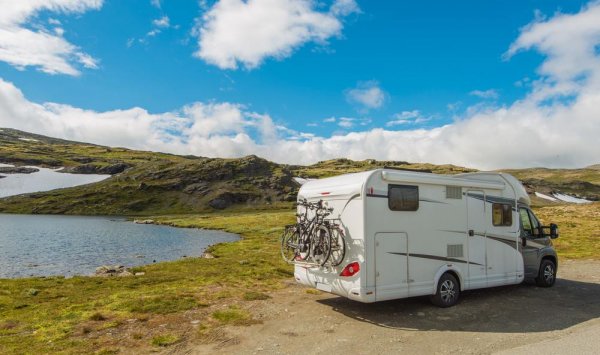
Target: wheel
[547, 274]
[448, 291]
[320, 245]
[290, 243]
[338, 246]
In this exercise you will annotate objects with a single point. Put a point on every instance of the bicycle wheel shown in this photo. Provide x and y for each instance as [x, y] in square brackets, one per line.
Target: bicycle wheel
[338, 246]
[289, 243]
[320, 245]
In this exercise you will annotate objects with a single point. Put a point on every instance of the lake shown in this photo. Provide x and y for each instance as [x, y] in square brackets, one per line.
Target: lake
[42, 245]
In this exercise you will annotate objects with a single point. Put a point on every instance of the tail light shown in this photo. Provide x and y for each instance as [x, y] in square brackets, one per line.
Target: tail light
[351, 269]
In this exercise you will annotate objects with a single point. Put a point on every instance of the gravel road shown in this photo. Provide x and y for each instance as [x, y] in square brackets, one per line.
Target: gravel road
[522, 319]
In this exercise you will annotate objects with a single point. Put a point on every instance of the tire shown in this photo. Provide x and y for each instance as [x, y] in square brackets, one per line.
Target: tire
[338, 246]
[448, 291]
[289, 243]
[546, 274]
[320, 245]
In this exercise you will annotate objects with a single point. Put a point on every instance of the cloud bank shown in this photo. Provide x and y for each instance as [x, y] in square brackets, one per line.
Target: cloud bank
[556, 124]
[40, 47]
[237, 32]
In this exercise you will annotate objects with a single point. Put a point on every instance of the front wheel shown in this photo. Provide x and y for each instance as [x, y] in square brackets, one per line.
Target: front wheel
[547, 274]
[448, 291]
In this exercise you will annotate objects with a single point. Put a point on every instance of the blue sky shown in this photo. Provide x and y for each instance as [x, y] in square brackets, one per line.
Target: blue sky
[394, 65]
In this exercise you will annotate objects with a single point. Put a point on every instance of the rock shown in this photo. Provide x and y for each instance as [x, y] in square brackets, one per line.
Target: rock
[112, 270]
[2, 176]
[219, 203]
[207, 255]
[17, 170]
[141, 273]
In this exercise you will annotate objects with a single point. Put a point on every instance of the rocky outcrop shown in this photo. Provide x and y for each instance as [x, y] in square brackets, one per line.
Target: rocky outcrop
[95, 169]
[17, 170]
[112, 270]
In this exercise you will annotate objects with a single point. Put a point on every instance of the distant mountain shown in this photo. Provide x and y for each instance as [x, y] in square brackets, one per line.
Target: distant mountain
[146, 183]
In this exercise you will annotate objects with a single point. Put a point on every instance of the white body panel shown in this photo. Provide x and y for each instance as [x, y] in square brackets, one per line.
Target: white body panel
[404, 253]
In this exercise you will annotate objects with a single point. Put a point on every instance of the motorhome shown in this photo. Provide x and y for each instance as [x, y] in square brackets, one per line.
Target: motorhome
[414, 234]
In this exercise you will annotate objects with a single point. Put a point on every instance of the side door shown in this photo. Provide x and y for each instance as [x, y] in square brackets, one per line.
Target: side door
[531, 241]
[391, 266]
[476, 230]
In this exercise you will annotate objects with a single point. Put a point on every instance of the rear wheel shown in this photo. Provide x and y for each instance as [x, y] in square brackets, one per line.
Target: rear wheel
[320, 245]
[547, 274]
[448, 291]
[338, 246]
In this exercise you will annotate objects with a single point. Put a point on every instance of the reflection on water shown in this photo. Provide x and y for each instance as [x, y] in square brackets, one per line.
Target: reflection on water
[44, 180]
[41, 245]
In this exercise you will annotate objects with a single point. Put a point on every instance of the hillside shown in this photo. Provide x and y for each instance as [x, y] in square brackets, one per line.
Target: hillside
[145, 183]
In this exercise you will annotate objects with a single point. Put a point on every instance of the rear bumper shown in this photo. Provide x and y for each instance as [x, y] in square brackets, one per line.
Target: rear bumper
[330, 281]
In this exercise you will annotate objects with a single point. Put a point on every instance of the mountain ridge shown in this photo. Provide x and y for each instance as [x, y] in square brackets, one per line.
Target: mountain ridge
[146, 183]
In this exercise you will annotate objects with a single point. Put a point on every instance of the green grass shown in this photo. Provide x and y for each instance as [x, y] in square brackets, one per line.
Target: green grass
[165, 340]
[233, 316]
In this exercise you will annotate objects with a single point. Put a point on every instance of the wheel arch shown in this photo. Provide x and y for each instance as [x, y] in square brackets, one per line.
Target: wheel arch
[451, 269]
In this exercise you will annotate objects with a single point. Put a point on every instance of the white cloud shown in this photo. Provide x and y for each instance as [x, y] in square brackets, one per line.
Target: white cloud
[234, 32]
[544, 128]
[21, 46]
[155, 3]
[329, 120]
[485, 94]
[367, 94]
[162, 22]
[407, 117]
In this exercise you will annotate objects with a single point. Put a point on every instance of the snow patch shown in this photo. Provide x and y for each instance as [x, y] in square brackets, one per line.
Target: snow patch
[28, 139]
[546, 197]
[571, 199]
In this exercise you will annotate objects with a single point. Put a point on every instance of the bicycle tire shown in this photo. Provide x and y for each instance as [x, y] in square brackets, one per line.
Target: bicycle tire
[338, 246]
[320, 245]
[289, 243]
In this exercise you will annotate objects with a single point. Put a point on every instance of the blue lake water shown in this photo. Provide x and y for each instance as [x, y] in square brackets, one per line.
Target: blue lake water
[42, 245]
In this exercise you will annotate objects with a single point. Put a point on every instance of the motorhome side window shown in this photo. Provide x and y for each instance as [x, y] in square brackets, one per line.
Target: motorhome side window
[501, 215]
[403, 197]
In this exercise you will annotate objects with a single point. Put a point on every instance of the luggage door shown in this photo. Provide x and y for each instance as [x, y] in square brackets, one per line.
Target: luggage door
[391, 266]
[476, 230]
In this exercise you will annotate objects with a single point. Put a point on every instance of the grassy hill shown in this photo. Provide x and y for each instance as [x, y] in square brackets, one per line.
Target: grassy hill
[144, 183]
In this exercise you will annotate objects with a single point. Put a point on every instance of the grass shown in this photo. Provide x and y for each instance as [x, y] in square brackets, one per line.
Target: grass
[64, 313]
[75, 315]
[165, 340]
[579, 229]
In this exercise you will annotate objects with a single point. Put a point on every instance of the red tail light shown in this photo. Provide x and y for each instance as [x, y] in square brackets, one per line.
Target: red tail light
[351, 269]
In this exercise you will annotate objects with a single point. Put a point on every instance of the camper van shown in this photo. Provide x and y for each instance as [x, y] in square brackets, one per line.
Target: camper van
[415, 234]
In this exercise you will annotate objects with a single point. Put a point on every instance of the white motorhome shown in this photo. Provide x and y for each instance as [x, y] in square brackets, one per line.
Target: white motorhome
[413, 234]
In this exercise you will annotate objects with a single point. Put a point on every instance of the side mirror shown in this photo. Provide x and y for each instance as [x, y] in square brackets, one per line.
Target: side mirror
[553, 231]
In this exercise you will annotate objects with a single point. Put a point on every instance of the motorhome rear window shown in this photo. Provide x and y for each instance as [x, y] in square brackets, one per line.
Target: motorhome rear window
[501, 215]
[403, 197]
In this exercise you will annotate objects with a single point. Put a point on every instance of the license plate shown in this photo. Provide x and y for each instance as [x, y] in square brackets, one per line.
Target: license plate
[323, 287]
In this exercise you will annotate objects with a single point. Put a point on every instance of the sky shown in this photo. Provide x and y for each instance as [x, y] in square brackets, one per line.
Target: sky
[485, 84]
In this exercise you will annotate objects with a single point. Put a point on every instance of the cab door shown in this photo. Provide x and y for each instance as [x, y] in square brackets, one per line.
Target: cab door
[532, 242]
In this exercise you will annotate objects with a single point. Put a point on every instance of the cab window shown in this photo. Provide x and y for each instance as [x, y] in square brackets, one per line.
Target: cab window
[525, 222]
[535, 224]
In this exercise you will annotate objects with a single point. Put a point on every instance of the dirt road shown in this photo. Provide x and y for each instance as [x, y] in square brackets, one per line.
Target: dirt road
[515, 319]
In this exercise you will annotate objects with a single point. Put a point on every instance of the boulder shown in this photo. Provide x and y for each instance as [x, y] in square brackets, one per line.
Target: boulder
[17, 170]
[112, 270]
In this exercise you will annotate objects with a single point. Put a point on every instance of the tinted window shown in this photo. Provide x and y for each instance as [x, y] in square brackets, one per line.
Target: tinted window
[501, 214]
[403, 198]
[525, 222]
[535, 224]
